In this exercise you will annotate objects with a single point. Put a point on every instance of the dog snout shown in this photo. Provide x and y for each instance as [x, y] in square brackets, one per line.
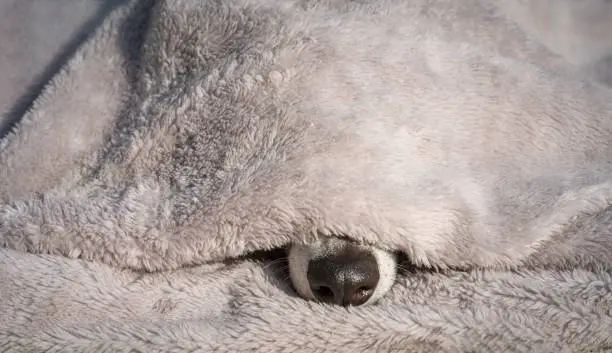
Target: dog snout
[346, 278]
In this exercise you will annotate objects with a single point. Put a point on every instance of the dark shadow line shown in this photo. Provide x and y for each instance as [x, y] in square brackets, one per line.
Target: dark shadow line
[25, 101]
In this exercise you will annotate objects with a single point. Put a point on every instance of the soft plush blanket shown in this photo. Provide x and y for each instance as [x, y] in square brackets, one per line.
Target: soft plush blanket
[186, 137]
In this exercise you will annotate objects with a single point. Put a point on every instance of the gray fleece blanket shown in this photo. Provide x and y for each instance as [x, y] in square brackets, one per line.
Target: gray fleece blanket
[186, 137]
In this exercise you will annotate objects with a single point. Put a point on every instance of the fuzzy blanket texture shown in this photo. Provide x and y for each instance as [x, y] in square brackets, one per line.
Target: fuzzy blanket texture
[186, 138]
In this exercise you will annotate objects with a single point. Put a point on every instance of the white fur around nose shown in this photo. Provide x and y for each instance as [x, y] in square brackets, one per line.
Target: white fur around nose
[298, 258]
[387, 270]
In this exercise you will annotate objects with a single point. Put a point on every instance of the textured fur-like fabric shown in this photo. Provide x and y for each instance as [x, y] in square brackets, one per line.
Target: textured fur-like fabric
[74, 306]
[193, 132]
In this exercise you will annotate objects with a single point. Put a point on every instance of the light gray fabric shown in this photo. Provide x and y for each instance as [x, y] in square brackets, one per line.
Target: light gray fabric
[577, 30]
[189, 133]
[74, 306]
[36, 39]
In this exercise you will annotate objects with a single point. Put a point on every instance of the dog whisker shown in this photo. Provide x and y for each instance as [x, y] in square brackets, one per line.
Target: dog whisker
[274, 262]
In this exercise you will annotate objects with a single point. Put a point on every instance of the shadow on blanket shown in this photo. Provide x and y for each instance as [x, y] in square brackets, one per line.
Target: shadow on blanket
[143, 193]
[67, 50]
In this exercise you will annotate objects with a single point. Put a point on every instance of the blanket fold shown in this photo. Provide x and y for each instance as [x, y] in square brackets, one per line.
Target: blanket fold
[185, 134]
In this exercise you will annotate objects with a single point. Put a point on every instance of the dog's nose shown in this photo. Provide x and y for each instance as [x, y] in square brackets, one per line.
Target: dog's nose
[345, 278]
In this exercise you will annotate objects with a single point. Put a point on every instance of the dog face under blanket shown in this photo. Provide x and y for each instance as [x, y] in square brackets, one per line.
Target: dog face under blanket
[204, 130]
[338, 271]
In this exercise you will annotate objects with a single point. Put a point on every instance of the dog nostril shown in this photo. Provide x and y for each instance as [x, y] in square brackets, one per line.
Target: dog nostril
[360, 295]
[323, 293]
[364, 290]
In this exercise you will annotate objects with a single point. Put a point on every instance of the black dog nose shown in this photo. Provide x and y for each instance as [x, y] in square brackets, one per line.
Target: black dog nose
[345, 278]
